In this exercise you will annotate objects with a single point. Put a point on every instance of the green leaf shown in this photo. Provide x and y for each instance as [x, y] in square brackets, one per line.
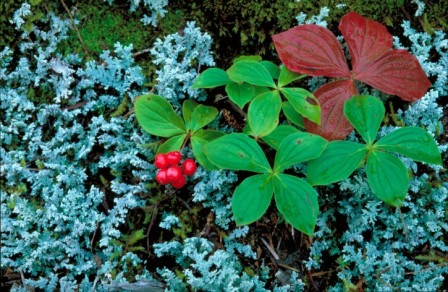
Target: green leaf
[260, 90]
[240, 94]
[292, 115]
[303, 102]
[388, 177]
[198, 141]
[237, 151]
[339, 160]
[157, 117]
[202, 116]
[172, 144]
[254, 58]
[273, 69]
[276, 137]
[247, 130]
[187, 109]
[413, 142]
[263, 113]
[287, 76]
[210, 78]
[298, 147]
[365, 113]
[297, 201]
[251, 198]
[250, 72]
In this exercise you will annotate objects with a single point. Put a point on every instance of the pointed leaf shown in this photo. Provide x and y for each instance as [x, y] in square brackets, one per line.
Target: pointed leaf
[210, 78]
[198, 141]
[276, 137]
[413, 142]
[395, 72]
[250, 72]
[255, 58]
[365, 113]
[237, 152]
[172, 144]
[259, 90]
[251, 198]
[157, 117]
[292, 115]
[247, 130]
[263, 113]
[312, 50]
[303, 102]
[202, 116]
[297, 201]
[388, 177]
[240, 93]
[399, 73]
[273, 69]
[287, 76]
[188, 107]
[367, 40]
[331, 97]
[339, 160]
[298, 147]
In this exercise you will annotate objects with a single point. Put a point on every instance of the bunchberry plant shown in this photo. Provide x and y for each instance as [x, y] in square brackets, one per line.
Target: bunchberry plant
[251, 81]
[386, 174]
[295, 198]
[314, 50]
[157, 117]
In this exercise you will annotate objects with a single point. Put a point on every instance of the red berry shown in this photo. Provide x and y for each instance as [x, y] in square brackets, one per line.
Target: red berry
[173, 157]
[179, 183]
[174, 173]
[189, 166]
[161, 161]
[161, 177]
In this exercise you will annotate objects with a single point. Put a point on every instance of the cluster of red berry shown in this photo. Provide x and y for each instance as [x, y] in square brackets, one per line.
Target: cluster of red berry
[169, 170]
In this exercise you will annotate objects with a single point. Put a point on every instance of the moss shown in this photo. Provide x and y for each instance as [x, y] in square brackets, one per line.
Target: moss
[239, 27]
[244, 27]
[100, 27]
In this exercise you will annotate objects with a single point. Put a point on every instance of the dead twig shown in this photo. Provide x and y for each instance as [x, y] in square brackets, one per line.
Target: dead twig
[148, 231]
[271, 249]
[289, 268]
[75, 28]
[136, 54]
[310, 276]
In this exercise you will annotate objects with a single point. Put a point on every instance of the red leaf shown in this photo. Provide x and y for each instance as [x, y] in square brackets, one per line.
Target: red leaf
[331, 96]
[367, 40]
[395, 72]
[312, 50]
[398, 72]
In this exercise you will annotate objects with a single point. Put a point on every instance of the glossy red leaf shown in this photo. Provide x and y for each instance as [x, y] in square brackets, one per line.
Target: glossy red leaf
[313, 50]
[367, 40]
[331, 96]
[398, 72]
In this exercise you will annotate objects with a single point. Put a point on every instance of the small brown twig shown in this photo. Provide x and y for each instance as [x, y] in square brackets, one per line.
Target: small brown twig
[289, 268]
[271, 249]
[75, 27]
[148, 231]
[310, 277]
[136, 54]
